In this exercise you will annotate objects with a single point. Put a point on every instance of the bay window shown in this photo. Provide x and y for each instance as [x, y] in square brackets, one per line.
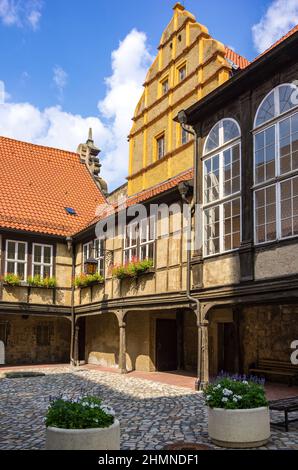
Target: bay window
[222, 188]
[276, 165]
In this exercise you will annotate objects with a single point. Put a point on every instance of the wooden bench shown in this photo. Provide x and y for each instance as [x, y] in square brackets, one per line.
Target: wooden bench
[269, 367]
[286, 405]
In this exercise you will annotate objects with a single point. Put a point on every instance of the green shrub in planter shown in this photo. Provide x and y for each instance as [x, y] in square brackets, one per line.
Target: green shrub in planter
[83, 413]
[38, 281]
[132, 269]
[12, 279]
[85, 280]
[233, 394]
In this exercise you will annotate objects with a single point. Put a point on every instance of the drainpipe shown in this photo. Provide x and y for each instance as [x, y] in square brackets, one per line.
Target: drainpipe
[71, 250]
[182, 119]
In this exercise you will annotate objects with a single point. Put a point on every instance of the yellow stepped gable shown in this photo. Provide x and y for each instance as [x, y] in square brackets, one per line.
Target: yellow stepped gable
[188, 66]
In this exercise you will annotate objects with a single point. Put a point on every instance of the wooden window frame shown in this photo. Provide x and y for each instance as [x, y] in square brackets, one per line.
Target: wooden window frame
[42, 264]
[278, 177]
[129, 248]
[91, 251]
[16, 261]
[222, 199]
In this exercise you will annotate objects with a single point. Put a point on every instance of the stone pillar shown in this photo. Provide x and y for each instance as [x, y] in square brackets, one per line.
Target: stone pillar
[199, 356]
[180, 339]
[205, 356]
[122, 347]
[76, 346]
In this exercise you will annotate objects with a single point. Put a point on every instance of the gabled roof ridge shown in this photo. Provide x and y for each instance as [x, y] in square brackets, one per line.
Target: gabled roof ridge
[56, 149]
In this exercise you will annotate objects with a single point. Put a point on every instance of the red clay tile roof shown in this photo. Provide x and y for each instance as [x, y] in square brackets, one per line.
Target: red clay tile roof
[143, 195]
[237, 59]
[160, 188]
[37, 183]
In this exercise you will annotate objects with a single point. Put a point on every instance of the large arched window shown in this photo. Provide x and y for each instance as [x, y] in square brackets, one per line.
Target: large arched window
[276, 165]
[222, 188]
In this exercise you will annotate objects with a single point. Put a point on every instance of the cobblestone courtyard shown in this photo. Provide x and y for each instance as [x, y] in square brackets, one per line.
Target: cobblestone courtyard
[151, 414]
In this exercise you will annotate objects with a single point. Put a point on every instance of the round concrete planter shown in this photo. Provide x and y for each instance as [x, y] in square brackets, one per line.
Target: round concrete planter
[239, 428]
[84, 439]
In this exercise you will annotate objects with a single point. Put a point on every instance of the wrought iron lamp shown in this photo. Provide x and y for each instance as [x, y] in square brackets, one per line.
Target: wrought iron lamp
[91, 264]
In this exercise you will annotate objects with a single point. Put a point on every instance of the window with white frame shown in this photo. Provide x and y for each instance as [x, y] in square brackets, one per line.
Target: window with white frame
[95, 249]
[276, 165]
[139, 240]
[16, 258]
[222, 188]
[147, 238]
[42, 260]
[131, 242]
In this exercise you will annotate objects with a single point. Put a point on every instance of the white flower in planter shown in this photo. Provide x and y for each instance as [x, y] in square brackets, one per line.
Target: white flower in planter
[227, 392]
[224, 399]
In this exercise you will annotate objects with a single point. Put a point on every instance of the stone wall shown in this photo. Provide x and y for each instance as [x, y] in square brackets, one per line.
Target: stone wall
[27, 344]
[267, 332]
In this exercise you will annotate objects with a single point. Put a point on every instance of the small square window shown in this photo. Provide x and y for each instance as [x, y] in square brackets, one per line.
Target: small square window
[43, 335]
[182, 73]
[160, 142]
[165, 86]
[184, 136]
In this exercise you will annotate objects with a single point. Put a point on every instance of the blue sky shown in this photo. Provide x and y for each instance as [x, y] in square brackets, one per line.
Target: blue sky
[56, 55]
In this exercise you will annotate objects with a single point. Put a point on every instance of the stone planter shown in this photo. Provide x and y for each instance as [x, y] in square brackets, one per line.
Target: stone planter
[84, 439]
[239, 428]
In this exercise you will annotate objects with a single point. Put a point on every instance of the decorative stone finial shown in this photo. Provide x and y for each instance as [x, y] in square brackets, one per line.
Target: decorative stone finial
[88, 153]
[178, 6]
[90, 138]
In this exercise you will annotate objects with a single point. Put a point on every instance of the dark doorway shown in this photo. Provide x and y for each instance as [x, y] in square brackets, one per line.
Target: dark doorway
[166, 345]
[227, 348]
[82, 338]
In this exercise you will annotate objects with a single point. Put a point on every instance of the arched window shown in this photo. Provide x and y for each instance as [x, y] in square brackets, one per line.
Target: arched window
[222, 188]
[276, 165]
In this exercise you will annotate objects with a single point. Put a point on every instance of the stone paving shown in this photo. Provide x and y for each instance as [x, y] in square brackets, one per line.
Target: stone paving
[152, 415]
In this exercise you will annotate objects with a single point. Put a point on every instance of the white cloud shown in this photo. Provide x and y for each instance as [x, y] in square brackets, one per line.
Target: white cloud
[60, 78]
[280, 17]
[55, 127]
[124, 88]
[21, 13]
[52, 126]
[4, 96]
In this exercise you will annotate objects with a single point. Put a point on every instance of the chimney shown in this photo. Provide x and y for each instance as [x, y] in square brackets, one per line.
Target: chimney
[88, 153]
